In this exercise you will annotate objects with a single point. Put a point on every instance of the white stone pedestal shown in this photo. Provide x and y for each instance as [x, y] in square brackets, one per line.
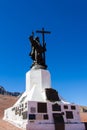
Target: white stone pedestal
[38, 77]
[37, 80]
[39, 108]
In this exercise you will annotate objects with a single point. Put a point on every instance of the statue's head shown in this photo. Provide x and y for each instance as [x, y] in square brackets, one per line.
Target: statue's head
[37, 39]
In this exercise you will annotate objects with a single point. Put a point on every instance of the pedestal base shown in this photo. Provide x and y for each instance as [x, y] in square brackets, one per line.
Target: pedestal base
[41, 108]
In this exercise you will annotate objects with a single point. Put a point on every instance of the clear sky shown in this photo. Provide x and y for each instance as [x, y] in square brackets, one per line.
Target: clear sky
[66, 54]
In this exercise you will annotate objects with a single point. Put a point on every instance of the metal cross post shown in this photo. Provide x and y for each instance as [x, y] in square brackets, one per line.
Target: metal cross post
[43, 38]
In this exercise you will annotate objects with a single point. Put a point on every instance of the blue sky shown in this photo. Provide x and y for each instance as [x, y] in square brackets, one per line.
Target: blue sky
[66, 54]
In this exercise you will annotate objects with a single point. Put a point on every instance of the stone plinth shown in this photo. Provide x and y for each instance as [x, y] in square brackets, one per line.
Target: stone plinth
[39, 78]
[41, 108]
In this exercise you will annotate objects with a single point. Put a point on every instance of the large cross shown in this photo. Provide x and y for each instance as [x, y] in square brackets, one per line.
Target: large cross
[43, 32]
[43, 38]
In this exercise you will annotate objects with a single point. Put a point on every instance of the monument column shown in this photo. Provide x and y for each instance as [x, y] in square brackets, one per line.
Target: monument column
[39, 78]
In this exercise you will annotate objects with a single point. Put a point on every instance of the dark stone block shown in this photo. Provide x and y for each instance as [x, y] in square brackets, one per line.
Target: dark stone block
[24, 114]
[42, 107]
[56, 107]
[52, 95]
[85, 125]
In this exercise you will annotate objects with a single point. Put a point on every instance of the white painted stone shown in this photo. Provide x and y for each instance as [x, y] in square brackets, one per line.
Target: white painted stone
[36, 82]
[39, 77]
